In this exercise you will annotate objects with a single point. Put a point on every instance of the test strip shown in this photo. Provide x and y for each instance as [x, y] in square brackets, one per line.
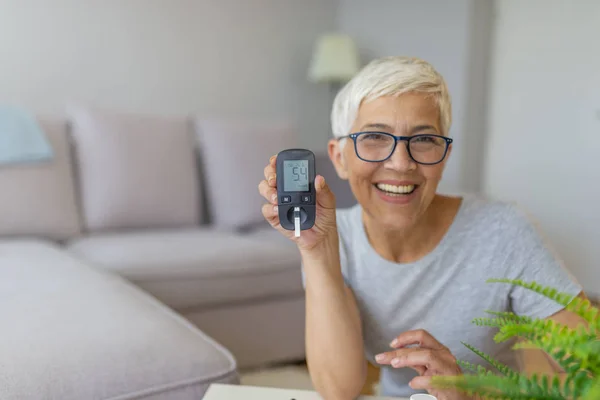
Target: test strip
[297, 221]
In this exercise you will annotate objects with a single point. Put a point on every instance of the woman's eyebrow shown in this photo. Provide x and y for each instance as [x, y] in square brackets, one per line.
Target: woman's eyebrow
[385, 127]
[376, 125]
[419, 128]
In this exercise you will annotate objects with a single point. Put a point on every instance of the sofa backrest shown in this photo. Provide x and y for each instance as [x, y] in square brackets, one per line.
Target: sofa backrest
[135, 171]
[116, 172]
[39, 198]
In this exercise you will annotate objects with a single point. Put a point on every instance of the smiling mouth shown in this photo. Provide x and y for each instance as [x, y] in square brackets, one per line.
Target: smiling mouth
[394, 190]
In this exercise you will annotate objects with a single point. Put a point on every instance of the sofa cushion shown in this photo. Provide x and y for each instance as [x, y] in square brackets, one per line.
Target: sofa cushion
[234, 154]
[75, 332]
[135, 171]
[187, 269]
[38, 199]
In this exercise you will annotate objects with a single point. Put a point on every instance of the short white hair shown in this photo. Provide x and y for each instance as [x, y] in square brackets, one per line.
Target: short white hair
[389, 76]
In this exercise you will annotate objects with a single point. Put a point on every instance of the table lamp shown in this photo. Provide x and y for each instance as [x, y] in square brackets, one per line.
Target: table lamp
[335, 60]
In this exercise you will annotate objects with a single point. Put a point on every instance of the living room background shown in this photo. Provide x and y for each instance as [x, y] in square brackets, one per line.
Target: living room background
[524, 79]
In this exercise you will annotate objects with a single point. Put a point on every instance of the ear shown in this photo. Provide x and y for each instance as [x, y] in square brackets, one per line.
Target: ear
[336, 154]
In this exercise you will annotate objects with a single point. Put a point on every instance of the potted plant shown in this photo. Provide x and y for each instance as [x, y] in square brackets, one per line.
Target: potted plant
[577, 351]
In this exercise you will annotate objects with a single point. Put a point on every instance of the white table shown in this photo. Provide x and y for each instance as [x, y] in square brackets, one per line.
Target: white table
[218, 391]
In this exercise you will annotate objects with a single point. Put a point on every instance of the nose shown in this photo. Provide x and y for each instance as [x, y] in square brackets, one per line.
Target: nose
[400, 160]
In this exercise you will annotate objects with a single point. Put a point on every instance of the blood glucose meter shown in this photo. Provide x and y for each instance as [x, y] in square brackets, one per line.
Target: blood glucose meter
[296, 195]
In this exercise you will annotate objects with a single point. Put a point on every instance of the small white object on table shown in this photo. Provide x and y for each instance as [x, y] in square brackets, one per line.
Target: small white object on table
[218, 391]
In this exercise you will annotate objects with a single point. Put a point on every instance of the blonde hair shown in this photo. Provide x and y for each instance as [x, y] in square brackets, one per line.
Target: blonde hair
[389, 76]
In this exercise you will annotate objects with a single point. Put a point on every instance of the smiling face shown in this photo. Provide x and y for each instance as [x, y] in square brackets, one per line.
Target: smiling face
[395, 192]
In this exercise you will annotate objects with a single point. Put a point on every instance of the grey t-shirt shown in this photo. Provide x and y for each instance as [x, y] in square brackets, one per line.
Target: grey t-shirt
[446, 289]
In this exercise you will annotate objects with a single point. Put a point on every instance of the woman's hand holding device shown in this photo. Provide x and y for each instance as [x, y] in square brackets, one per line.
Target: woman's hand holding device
[300, 204]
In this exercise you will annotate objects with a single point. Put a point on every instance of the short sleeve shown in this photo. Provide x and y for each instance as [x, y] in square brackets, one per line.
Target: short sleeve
[531, 258]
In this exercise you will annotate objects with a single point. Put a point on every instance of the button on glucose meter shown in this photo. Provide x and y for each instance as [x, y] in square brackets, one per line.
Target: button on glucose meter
[296, 183]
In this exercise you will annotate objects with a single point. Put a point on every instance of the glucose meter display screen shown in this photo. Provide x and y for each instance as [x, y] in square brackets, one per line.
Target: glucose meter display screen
[295, 176]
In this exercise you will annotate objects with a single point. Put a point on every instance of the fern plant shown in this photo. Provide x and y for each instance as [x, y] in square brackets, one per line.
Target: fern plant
[577, 351]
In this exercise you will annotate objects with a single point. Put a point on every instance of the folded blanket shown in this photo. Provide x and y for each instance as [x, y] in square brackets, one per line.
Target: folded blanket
[21, 138]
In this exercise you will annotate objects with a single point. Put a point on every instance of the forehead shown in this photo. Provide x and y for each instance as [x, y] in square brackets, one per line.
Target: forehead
[399, 112]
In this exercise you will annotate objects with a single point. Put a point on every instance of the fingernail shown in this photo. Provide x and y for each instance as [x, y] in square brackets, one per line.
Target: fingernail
[396, 362]
[394, 343]
[271, 178]
[274, 197]
[379, 357]
[275, 208]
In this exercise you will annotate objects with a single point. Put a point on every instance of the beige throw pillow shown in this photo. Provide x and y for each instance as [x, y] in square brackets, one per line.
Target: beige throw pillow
[135, 171]
[38, 198]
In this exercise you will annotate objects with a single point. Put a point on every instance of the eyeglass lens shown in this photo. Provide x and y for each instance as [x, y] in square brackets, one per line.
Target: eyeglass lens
[427, 149]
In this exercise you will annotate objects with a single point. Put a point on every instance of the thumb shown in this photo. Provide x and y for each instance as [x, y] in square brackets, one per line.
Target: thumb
[325, 197]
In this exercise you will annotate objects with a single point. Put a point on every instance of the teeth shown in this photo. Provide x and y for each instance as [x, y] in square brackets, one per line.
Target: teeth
[396, 189]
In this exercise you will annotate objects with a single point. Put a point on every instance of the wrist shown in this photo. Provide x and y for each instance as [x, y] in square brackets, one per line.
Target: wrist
[323, 260]
[327, 250]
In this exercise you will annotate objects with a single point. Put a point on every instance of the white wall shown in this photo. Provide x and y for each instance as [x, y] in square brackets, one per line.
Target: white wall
[169, 56]
[454, 37]
[544, 133]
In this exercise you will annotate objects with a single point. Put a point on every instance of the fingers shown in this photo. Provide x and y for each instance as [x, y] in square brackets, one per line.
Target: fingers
[421, 382]
[416, 357]
[419, 337]
[325, 196]
[271, 213]
[267, 191]
[388, 357]
[269, 172]
[394, 357]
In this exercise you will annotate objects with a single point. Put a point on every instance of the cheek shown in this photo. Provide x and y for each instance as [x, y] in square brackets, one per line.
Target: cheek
[361, 174]
[432, 173]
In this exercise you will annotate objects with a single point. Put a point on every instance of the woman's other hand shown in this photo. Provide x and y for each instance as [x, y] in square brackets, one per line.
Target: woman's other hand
[325, 222]
[428, 358]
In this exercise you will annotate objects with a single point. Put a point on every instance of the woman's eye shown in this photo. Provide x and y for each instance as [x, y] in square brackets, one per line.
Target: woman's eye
[425, 139]
[374, 136]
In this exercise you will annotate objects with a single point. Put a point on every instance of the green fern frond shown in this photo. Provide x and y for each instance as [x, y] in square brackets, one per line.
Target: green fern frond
[569, 364]
[581, 307]
[544, 328]
[504, 369]
[466, 366]
[511, 316]
[498, 322]
[577, 351]
[500, 387]
[593, 392]
[570, 352]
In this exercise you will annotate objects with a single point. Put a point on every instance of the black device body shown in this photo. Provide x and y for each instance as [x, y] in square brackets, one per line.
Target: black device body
[296, 188]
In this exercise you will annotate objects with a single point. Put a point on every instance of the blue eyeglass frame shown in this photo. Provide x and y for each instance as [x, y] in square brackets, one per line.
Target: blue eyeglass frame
[397, 139]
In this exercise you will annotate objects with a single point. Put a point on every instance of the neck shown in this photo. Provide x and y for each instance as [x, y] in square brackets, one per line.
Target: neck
[414, 241]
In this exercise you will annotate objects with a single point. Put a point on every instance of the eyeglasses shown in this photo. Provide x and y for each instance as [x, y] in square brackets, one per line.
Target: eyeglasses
[426, 149]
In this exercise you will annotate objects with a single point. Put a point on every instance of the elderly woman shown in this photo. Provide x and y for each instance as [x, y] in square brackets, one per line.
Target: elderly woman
[397, 279]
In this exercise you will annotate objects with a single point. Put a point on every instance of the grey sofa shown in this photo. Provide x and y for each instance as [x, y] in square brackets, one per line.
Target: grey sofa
[136, 264]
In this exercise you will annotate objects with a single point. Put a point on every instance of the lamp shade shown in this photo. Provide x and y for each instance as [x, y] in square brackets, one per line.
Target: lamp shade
[335, 58]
